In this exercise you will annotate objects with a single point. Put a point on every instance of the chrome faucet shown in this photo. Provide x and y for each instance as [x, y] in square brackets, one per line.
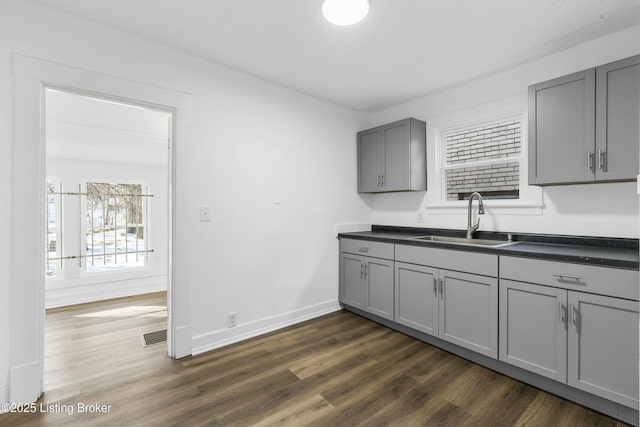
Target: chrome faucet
[472, 228]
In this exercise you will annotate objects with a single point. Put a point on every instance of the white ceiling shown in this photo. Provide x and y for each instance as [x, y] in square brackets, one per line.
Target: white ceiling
[84, 128]
[404, 48]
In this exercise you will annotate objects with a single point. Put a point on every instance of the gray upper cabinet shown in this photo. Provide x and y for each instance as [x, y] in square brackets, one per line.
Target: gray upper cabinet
[617, 121]
[584, 127]
[392, 157]
[369, 161]
[562, 129]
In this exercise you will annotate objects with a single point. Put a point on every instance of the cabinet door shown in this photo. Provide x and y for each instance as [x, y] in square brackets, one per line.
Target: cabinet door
[369, 167]
[396, 156]
[379, 287]
[603, 347]
[351, 280]
[469, 311]
[562, 129]
[533, 328]
[416, 301]
[617, 123]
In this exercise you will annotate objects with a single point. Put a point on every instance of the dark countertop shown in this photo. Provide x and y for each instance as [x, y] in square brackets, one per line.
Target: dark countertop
[608, 252]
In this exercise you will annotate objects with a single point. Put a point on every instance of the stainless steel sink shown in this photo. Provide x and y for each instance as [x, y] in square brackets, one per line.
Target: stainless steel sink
[464, 241]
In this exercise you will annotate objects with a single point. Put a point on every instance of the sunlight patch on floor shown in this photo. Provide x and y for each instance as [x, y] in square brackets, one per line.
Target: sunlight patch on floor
[131, 311]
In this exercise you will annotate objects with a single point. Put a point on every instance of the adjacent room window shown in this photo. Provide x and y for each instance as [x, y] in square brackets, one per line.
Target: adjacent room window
[97, 227]
[485, 158]
[53, 220]
[115, 237]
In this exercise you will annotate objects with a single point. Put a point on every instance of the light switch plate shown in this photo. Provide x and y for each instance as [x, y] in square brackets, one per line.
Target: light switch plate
[205, 214]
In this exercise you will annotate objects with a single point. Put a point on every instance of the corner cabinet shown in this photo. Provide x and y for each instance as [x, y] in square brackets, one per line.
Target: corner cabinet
[392, 157]
[366, 276]
[584, 127]
[556, 322]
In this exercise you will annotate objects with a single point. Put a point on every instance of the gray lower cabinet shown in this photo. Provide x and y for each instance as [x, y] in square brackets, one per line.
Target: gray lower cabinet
[366, 282]
[378, 285]
[468, 314]
[458, 307]
[586, 340]
[351, 280]
[533, 328]
[584, 127]
[392, 157]
[603, 347]
[417, 302]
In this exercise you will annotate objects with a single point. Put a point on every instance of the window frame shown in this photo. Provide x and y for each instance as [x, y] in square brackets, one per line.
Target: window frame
[146, 213]
[530, 200]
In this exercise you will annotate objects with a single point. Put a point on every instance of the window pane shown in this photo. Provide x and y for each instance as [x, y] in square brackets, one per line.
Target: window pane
[492, 181]
[496, 141]
[52, 229]
[115, 237]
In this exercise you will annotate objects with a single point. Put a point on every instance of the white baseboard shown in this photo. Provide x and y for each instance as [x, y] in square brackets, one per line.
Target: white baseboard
[221, 338]
[63, 296]
[4, 396]
[23, 382]
[182, 342]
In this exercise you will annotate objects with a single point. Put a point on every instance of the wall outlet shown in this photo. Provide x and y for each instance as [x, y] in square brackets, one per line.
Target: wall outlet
[231, 320]
[420, 217]
[205, 214]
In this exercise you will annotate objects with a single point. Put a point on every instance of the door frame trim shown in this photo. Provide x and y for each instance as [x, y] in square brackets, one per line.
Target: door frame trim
[31, 76]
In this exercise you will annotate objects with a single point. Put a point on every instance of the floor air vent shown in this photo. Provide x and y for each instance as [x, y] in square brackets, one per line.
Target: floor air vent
[153, 338]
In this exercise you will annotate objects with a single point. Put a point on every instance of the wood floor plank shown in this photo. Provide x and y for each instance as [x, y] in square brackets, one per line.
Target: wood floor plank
[336, 370]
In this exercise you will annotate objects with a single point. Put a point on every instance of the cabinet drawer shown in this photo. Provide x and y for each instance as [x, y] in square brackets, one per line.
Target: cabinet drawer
[470, 262]
[577, 277]
[367, 248]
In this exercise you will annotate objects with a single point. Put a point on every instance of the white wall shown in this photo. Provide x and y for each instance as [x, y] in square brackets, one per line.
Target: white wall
[85, 287]
[276, 167]
[597, 210]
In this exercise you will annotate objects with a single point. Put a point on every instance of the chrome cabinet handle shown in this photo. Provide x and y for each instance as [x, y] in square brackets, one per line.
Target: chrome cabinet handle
[382, 180]
[590, 161]
[576, 318]
[602, 160]
[435, 286]
[366, 270]
[364, 250]
[562, 276]
[441, 288]
[563, 313]
[361, 270]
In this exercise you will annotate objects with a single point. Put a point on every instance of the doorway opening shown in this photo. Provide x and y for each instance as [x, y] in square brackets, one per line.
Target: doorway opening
[31, 78]
[107, 230]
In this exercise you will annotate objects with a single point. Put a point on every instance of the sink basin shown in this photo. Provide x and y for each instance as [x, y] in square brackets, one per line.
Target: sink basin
[464, 241]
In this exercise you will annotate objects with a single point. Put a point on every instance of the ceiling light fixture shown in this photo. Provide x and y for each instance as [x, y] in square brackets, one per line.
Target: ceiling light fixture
[345, 12]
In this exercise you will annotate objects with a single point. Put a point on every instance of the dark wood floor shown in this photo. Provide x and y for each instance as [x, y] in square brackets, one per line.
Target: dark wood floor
[337, 370]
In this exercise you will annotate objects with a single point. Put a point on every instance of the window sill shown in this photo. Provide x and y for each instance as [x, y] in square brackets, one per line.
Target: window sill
[490, 208]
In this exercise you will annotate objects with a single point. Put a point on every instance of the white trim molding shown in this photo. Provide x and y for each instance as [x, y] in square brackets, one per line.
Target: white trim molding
[30, 78]
[530, 201]
[224, 337]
